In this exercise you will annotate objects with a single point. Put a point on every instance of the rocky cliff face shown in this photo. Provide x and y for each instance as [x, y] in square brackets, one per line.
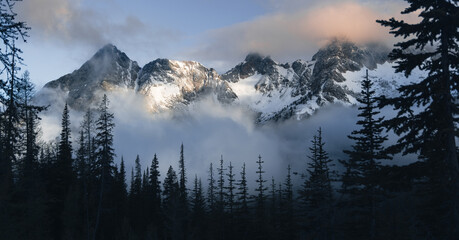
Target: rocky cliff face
[274, 90]
[107, 69]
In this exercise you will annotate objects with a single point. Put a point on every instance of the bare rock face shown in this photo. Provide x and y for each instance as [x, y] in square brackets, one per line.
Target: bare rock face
[107, 69]
[337, 58]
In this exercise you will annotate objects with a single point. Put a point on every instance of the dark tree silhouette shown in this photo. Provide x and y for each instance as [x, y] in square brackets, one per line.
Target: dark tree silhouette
[427, 110]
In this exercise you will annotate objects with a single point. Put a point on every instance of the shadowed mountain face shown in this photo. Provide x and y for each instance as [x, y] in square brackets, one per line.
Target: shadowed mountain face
[107, 69]
[275, 91]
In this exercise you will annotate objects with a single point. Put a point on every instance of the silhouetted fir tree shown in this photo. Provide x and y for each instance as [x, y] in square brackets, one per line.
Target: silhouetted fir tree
[231, 195]
[121, 202]
[198, 211]
[171, 202]
[131, 188]
[29, 117]
[137, 184]
[30, 191]
[260, 203]
[317, 193]
[242, 205]
[427, 110]
[182, 180]
[243, 192]
[104, 168]
[62, 177]
[82, 173]
[230, 201]
[361, 182]
[261, 196]
[183, 204]
[211, 190]
[11, 30]
[288, 223]
[135, 198]
[273, 211]
[155, 186]
[221, 203]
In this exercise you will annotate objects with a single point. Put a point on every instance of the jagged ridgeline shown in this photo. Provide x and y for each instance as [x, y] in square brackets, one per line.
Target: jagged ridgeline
[273, 90]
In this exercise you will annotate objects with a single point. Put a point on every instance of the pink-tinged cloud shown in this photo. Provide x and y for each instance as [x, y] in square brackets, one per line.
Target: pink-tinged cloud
[288, 35]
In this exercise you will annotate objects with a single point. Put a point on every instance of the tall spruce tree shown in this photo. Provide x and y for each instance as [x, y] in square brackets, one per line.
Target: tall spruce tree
[427, 110]
[288, 223]
[11, 30]
[243, 193]
[261, 188]
[182, 180]
[260, 201]
[360, 180]
[64, 163]
[317, 193]
[198, 210]
[171, 202]
[155, 184]
[230, 189]
[221, 203]
[183, 209]
[104, 162]
[211, 189]
[30, 190]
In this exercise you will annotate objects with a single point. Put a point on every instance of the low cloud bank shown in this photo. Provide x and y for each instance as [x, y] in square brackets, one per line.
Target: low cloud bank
[210, 130]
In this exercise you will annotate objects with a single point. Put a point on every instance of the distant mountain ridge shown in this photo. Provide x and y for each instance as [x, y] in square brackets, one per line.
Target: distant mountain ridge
[275, 91]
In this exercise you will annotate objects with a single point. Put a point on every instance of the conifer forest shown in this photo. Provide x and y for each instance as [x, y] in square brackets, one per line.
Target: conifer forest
[77, 188]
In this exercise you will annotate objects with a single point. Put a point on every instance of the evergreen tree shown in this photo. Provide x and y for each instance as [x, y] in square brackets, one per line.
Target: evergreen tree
[30, 190]
[231, 187]
[361, 180]
[221, 187]
[183, 203]
[171, 202]
[104, 164]
[62, 177]
[432, 46]
[198, 213]
[29, 117]
[287, 212]
[11, 30]
[317, 191]
[135, 198]
[155, 185]
[243, 193]
[242, 201]
[261, 196]
[182, 183]
[137, 184]
[64, 163]
[120, 197]
[211, 189]
[260, 201]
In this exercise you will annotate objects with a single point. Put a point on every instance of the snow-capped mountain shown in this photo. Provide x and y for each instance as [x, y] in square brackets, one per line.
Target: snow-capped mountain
[109, 68]
[274, 90]
[167, 83]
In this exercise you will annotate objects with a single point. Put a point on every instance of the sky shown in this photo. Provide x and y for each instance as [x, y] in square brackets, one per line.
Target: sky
[219, 34]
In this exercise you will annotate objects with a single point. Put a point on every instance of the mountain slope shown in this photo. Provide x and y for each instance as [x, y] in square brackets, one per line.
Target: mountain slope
[107, 69]
[167, 83]
[273, 90]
